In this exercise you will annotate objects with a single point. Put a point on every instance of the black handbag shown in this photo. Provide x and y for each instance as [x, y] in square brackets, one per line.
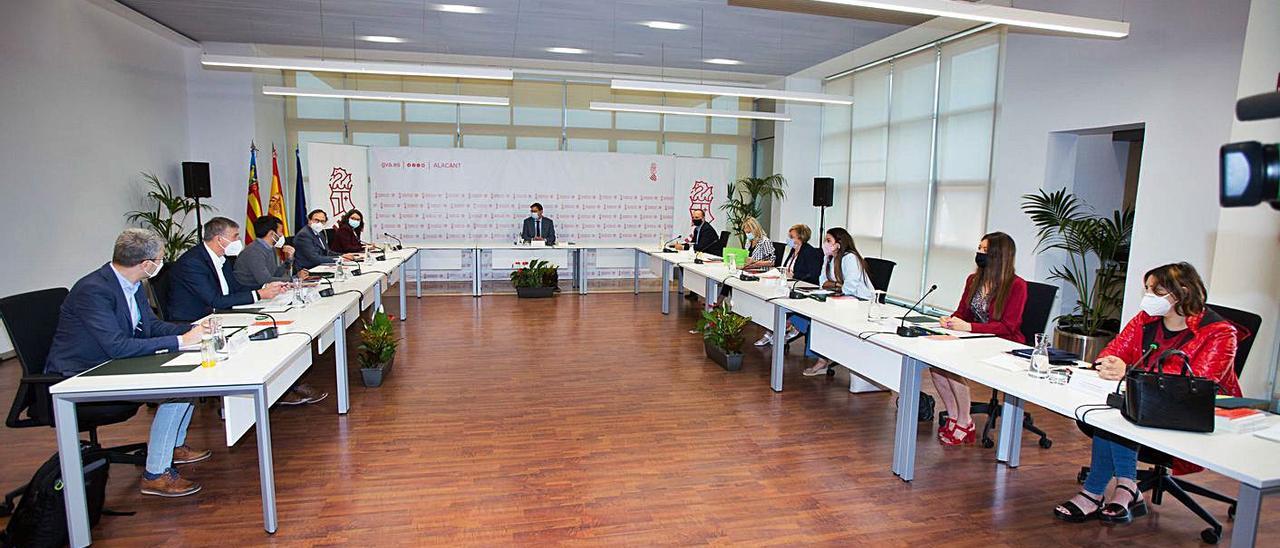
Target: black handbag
[1180, 401]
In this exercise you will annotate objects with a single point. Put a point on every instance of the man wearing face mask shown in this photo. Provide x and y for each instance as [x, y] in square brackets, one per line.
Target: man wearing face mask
[259, 263]
[538, 228]
[202, 281]
[106, 317]
[702, 236]
[312, 246]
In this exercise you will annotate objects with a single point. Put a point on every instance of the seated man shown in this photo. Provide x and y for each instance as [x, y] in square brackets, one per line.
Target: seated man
[312, 248]
[202, 282]
[538, 228]
[702, 236]
[106, 317]
[259, 264]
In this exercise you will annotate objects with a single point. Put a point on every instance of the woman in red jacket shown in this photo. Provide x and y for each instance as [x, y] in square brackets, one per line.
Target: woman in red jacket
[993, 299]
[346, 234]
[1173, 317]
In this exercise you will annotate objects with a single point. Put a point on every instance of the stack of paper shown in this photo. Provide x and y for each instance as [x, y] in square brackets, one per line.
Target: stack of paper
[1238, 421]
[1088, 382]
[1272, 434]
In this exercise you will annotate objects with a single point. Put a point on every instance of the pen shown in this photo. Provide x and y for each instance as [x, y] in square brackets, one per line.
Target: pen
[976, 337]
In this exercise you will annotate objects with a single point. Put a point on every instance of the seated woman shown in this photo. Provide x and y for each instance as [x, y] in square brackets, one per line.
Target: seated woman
[844, 270]
[762, 253]
[1173, 317]
[802, 262]
[993, 299]
[346, 234]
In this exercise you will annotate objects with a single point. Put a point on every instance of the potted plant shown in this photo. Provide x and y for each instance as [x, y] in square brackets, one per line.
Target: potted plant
[378, 343]
[169, 217]
[1097, 250]
[535, 279]
[743, 200]
[722, 335]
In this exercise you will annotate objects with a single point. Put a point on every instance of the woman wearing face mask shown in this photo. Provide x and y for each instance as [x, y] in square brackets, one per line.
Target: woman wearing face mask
[993, 299]
[762, 252]
[1173, 317]
[802, 262]
[346, 234]
[843, 271]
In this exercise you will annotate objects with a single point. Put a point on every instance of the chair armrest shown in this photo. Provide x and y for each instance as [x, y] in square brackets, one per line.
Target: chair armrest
[43, 379]
[33, 400]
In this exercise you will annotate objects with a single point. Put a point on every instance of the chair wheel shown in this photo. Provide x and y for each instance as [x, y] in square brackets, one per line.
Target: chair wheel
[6, 509]
[987, 443]
[1210, 535]
[1231, 512]
[831, 371]
[1046, 443]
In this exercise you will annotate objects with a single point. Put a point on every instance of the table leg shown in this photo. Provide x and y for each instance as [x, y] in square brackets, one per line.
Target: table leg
[377, 296]
[404, 314]
[340, 361]
[713, 293]
[908, 409]
[1248, 511]
[77, 507]
[635, 275]
[265, 468]
[679, 282]
[666, 287]
[417, 266]
[1010, 449]
[475, 274]
[779, 348]
[582, 272]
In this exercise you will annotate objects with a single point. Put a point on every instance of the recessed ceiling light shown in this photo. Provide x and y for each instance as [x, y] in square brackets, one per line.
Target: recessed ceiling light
[721, 61]
[628, 54]
[571, 51]
[665, 25]
[460, 8]
[384, 39]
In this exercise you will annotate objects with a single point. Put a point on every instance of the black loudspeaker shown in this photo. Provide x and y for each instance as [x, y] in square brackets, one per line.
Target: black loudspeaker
[824, 189]
[195, 180]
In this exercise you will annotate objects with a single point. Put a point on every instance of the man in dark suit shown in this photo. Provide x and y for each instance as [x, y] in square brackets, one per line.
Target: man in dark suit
[702, 236]
[259, 264]
[311, 248]
[202, 281]
[538, 228]
[106, 317]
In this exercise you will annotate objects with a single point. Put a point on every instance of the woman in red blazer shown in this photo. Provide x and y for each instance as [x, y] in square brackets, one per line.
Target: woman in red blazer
[993, 299]
[346, 234]
[1173, 317]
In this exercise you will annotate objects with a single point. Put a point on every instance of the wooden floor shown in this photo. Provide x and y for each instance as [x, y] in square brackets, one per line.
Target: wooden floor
[598, 421]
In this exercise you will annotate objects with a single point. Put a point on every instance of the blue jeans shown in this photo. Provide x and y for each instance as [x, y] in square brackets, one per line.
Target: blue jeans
[168, 430]
[801, 324]
[1111, 458]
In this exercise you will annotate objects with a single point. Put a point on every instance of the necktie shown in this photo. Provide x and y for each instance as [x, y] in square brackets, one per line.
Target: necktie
[537, 229]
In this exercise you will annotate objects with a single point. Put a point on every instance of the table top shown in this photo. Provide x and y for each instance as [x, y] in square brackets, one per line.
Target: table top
[489, 245]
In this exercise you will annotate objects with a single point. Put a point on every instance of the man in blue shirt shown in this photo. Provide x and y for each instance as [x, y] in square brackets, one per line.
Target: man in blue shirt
[106, 317]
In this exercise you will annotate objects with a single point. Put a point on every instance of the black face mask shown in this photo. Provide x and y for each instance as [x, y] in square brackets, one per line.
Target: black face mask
[981, 259]
[697, 222]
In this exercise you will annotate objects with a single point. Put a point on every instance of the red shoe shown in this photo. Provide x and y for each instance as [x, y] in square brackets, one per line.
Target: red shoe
[945, 429]
[960, 435]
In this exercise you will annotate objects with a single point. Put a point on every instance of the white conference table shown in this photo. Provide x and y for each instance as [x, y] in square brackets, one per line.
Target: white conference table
[574, 249]
[249, 381]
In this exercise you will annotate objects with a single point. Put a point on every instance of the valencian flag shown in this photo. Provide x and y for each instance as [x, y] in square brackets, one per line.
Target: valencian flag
[275, 203]
[299, 193]
[254, 207]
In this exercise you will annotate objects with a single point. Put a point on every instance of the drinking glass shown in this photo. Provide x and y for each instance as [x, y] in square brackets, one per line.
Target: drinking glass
[1040, 358]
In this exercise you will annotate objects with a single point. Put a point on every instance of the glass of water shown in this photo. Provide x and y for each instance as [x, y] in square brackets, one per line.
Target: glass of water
[213, 325]
[876, 309]
[1040, 358]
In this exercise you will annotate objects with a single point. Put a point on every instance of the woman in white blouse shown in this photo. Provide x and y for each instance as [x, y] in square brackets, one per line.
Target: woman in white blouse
[844, 272]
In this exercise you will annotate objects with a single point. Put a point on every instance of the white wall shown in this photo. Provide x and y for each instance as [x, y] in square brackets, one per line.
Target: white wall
[795, 156]
[1247, 256]
[89, 99]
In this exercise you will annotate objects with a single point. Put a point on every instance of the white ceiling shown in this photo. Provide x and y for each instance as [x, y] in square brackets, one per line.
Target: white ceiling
[766, 41]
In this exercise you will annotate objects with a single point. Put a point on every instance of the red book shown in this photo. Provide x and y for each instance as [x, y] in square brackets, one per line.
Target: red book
[1235, 414]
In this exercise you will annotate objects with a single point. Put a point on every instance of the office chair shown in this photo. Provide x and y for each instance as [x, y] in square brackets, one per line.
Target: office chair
[879, 272]
[31, 320]
[1035, 317]
[779, 250]
[722, 243]
[157, 289]
[1159, 479]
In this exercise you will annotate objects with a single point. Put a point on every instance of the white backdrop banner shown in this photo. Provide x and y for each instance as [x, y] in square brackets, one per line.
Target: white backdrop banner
[337, 178]
[462, 195]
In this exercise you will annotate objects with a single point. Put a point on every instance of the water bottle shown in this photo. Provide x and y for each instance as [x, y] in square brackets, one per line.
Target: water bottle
[732, 262]
[1040, 358]
[341, 273]
[208, 355]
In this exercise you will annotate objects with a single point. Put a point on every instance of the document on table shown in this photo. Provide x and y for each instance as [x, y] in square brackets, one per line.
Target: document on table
[1008, 362]
[1271, 433]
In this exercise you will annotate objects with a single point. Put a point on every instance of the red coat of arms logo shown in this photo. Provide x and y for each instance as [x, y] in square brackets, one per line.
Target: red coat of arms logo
[700, 196]
[340, 191]
[653, 172]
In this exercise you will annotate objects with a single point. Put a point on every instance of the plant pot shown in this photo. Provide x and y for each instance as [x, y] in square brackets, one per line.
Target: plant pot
[373, 376]
[1087, 346]
[535, 292]
[729, 361]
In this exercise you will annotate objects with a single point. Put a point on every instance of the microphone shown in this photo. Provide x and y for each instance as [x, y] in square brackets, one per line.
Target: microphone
[1258, 107]
[399, 243]
[327, 292]
[268, 333]
[795, 294]
[914, 331]
[665, 249]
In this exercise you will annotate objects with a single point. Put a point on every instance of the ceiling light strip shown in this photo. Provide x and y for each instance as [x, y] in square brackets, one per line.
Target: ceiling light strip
[356, 67]
[917, 49]
[731, 91]
[1002, 15]
[689, 111]
[387, 96]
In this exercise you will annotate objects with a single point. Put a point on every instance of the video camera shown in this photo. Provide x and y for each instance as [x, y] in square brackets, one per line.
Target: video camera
[1249, 172]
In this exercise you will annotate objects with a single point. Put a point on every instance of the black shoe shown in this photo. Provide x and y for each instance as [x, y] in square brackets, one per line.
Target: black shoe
[1117, 514]
[1076, 515]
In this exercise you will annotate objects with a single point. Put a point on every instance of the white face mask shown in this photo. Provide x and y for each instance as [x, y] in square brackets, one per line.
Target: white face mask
[318, 227]
[234, 248]
[355, 223]
[279, 241]
[1155, 305]
[750, 236]
[156, 272]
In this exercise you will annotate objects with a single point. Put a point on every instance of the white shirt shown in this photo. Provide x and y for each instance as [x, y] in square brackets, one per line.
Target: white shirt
[130, 296]
[217, 267]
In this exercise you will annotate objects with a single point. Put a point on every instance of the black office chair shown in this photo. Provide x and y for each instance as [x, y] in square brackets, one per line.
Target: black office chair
[779, 251]
[1159, 479]
[722, 243]
[31, 320]
[1035, 316]
[328, 235]
[157, 289]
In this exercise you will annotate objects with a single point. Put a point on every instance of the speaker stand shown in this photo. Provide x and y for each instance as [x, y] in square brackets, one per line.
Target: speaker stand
[822, 221]
[199, 221]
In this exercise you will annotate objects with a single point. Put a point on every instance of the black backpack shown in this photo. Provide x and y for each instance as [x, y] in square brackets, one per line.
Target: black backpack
[40, 519]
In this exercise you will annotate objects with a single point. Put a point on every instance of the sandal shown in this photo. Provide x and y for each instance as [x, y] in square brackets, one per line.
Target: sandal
[1119, 514]
[959, 435]
[1076, 515]
[945, 429]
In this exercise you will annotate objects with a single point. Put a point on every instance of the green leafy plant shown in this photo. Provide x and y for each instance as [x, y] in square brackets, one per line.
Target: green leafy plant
[537, 273]
[169, 217]
[722, 328]
[378, 342]
[1067, 224]
[743, 200]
